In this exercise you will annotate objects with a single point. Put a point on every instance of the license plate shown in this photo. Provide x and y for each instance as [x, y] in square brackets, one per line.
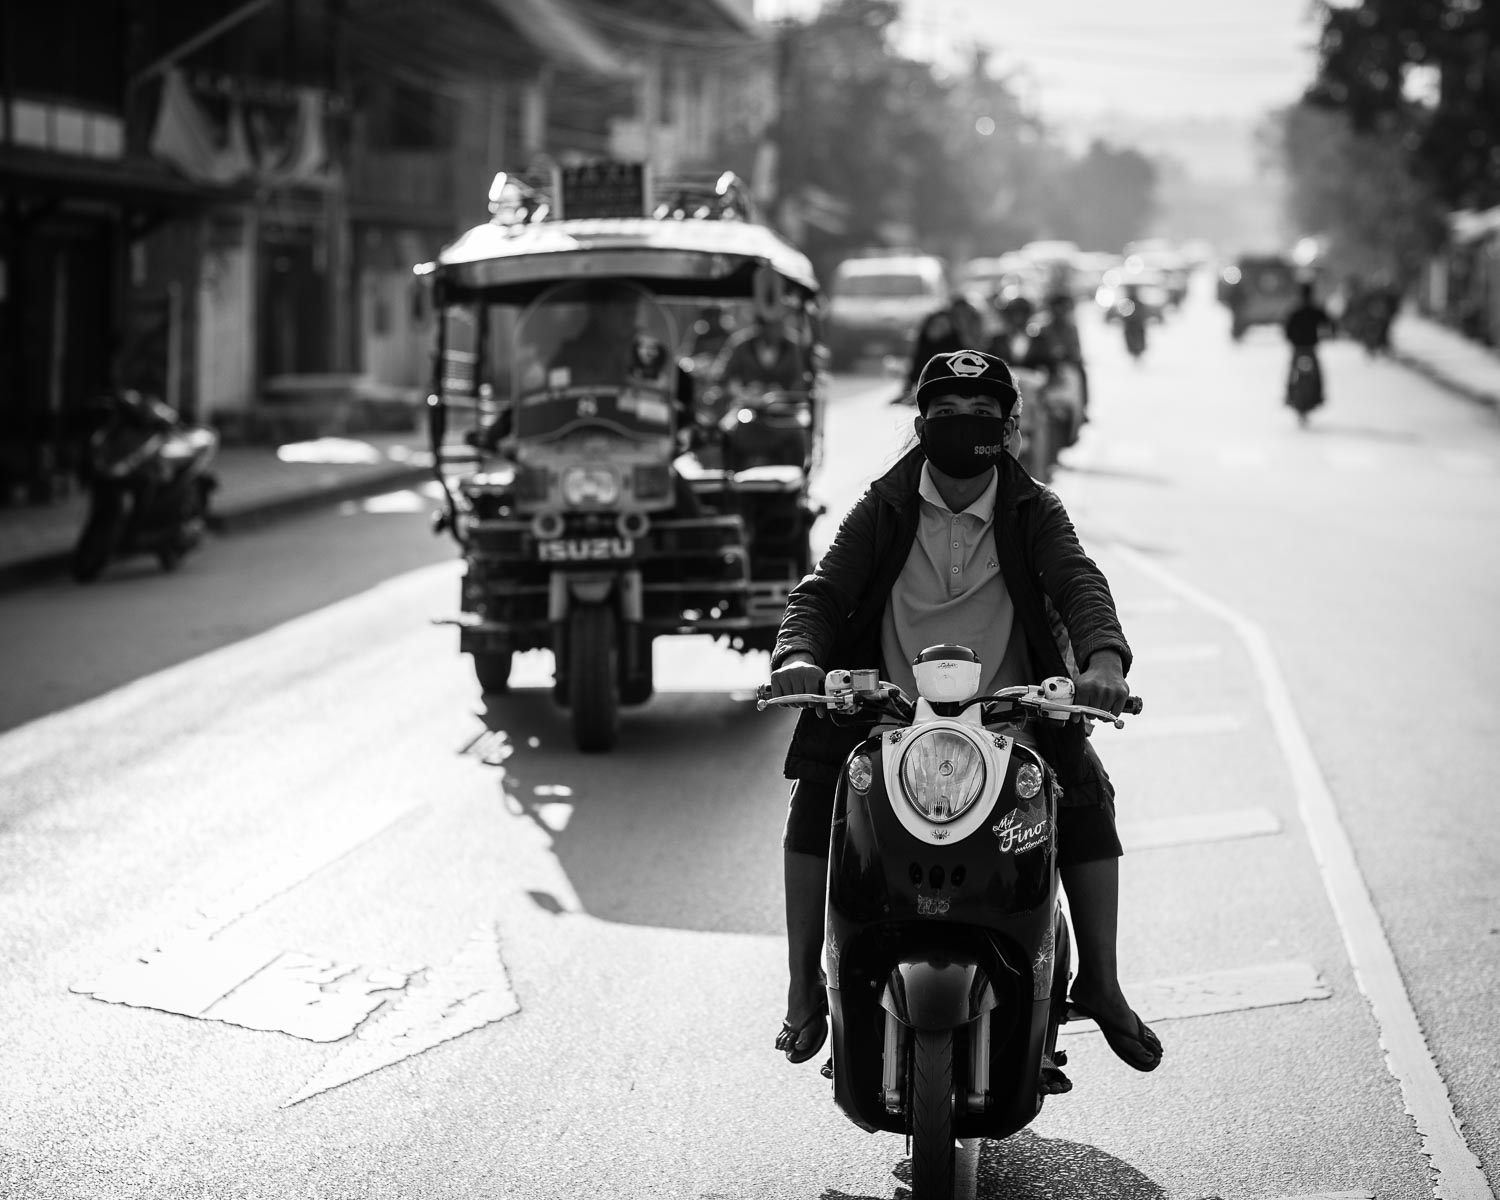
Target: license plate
[595, 549]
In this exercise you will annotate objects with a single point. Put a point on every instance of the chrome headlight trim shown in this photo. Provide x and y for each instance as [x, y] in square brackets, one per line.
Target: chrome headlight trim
[943, 772]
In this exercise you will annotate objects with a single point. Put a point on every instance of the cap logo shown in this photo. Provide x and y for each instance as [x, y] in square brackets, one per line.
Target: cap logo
[967, 364]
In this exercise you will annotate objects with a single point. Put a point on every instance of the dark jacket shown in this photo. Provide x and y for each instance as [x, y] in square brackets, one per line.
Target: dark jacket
[1062, 601]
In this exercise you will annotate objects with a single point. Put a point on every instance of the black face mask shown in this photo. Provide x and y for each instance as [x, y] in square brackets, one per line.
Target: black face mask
[963, 445]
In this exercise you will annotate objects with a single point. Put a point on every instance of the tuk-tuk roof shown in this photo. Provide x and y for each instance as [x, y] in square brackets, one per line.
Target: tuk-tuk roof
[686, 248]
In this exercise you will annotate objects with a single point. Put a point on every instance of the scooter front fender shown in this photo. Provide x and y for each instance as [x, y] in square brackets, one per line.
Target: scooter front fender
[938, 993]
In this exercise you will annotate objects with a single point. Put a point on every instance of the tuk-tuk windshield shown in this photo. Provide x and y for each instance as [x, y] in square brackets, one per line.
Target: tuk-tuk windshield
[594, 353]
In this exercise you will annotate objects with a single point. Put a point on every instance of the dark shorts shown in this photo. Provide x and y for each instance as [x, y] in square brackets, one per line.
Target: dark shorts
[1084, 833]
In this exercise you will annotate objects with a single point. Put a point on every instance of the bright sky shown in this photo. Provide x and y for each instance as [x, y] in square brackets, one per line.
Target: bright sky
[1152, 59]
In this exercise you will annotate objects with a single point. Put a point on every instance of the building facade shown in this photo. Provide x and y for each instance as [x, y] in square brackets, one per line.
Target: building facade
[220, 201]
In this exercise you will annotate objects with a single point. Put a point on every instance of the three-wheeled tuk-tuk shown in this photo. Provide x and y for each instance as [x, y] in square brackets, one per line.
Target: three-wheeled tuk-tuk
[596, 498]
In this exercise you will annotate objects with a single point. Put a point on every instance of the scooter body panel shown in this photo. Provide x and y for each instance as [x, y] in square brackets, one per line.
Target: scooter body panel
[952, 932]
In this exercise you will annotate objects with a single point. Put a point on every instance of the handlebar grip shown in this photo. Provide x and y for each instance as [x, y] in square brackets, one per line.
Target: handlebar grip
[1134, 705]
[763, 691]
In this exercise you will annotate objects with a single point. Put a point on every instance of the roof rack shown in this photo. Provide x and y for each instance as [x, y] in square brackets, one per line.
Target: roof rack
[608, 188]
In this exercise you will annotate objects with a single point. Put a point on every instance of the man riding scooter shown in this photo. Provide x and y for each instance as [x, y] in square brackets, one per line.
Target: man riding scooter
[956, 543]
[764, 375]
[1305, 326]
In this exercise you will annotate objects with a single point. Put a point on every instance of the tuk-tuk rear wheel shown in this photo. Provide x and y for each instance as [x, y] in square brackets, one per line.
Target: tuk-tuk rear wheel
[593, 671]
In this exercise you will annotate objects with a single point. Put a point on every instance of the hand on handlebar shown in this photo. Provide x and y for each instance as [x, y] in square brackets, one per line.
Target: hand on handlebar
[1102, 685]
[796, 676]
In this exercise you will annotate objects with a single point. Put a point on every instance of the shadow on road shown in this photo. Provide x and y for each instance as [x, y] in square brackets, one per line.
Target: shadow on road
[678, 826]
[1029, 1167]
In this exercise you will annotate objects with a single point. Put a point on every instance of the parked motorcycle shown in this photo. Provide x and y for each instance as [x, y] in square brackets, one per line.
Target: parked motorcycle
[149, 481]
[1304, 386]
[946, 950]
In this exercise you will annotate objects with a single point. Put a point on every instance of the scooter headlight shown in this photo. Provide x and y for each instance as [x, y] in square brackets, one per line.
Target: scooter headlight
[942, 773]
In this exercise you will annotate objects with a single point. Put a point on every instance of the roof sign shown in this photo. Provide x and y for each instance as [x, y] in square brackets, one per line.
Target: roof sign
[603, 189]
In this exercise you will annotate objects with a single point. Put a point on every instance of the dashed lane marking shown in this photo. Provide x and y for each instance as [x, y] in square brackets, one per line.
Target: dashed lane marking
[252, 986]
[1218, 992]
[1457, 1172]
[1198, 827]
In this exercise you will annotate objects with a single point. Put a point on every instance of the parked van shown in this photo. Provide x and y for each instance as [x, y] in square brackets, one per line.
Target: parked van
[878, 301]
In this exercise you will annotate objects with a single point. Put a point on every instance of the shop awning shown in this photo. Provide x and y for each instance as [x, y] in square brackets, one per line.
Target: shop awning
[133, 183]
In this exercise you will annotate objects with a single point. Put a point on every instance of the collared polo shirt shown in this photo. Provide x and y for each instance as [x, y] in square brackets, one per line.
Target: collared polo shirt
[951, 590]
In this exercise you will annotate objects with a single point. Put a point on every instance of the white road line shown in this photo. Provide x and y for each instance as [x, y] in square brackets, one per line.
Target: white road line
[966, 1169]
[1407, 1055]
[1191, 828]
[1214, 992]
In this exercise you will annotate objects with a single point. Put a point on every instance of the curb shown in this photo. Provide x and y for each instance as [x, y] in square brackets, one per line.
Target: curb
[250, 515]
[1443, 380]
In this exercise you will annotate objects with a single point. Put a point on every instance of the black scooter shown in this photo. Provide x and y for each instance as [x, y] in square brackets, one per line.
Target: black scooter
[1304, 385]
[946, 950]
[149, 481]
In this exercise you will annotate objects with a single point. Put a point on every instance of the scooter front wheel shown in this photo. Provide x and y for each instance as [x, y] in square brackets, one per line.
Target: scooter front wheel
[932, 1111]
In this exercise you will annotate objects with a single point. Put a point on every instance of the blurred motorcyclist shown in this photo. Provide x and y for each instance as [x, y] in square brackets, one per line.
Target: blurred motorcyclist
[762, 355]
[1133, 320]
[1304, 327]
[954, 327]
[1014, 311]
[756, 363]
[1370, 312]
[1054, 343]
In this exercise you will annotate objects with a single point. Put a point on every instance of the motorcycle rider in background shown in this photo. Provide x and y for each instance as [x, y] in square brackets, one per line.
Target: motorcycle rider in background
[956, 326]
[755, 364]
[1304, 327]
[1055, 343]
[1133, 320]
[762, 355]
[957, 543]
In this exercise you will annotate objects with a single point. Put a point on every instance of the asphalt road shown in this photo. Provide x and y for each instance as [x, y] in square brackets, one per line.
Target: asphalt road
[290, 911]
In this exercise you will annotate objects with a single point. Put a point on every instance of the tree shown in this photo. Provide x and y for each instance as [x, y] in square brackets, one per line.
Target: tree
[1357, 191]
[1372, 59]
[1110, 195]
[952, 163]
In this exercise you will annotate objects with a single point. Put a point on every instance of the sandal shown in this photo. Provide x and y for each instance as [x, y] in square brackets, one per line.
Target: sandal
[1120, 1038]
[789, 1037]
[1050, 1080]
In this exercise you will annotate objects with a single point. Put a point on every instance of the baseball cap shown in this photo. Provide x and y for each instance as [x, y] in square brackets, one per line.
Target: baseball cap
[967, 373]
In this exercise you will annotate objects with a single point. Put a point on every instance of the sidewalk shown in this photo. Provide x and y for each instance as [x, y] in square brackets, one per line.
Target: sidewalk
[1450, 360]
[256, 483]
